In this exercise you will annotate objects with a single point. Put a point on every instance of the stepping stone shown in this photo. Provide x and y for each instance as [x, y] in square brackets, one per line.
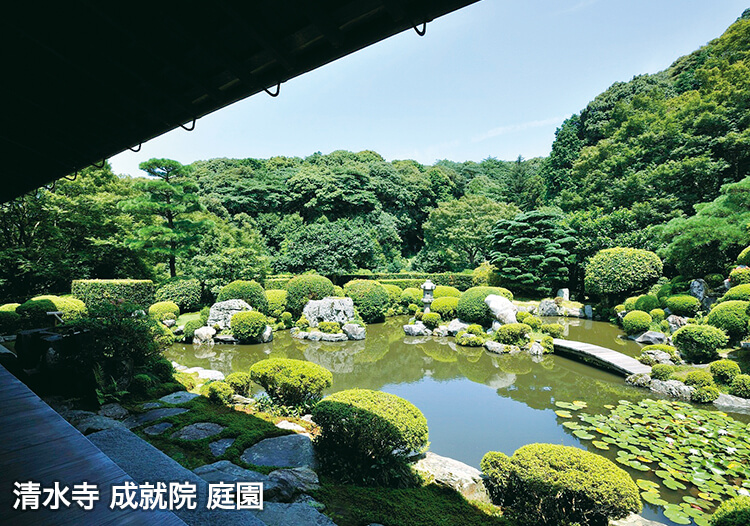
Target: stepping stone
[155, 414]
[303, 480]
[220, 447]
[151, 405]
[157, 429]
[180, 397]
[97, 423]
[225, 471]
[291, 426]
[198, 431]
[115, 411]
[277, 514]
[294, 451]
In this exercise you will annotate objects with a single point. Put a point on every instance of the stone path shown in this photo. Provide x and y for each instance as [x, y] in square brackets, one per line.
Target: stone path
[607, 358]
[293, 451]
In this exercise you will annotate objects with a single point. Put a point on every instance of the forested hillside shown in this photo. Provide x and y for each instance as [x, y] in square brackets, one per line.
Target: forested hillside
[659, 162]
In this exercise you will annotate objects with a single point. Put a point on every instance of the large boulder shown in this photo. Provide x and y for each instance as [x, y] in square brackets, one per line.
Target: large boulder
[339, 310]
[453, 474]
[456, 326]
[672, 388]
[651, 338]
[267, 335]
[221, 313]
[675, 322]
[639, 379]
[502, 308]
[564, 294]
[294, 451]
[659, 357]
[354, 331]
[204, 336]
[418, 329]
[698, 289]
[548, 307]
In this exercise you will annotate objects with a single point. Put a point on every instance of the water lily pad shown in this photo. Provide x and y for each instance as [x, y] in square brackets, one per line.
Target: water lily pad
[583, 435]
[653, 497]
[676, 515]
[647, 485]
[598, 444]
[563, 414]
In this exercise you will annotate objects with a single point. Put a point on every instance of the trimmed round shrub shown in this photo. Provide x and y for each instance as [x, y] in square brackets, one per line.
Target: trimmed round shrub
[553, 329]
[329, 327]
[248, 291]
[33, 313]
[484, 275]
[732, 512]
[699, 378]
[186, 293]
[9, 307]
[10, 322]
[220, 392]
[239, 382]
[682, 305]
[522, 316]
[248, 326]
[731, 317]
[504, 292]
[468, 339]
[71, 308]
[442, 291]
[744, 258]
[498, 469]
[338, 292]
[304, 288]
[164, 310]
[513, 334]
[657, 315]
[471, 307]
[664, 292]
[431, 319]
[619, 270]
[699, 343]
[714, 281]
[670, 350]
[411, 296]
[647, 302]
[533, 322]
[740, 292]
[140, 384]
[741, 386]
[475, 329]
[287, 320]
[276, 302]
[162, 369]
[552, 484]
[190, 328]
[724, 371]
[739, 276]
[291, 382]
[629, 303]
[445, 306]
[619, 308]
[370, 298]
[394, 294]
[366, 434]
[704, 394]
[662, 371]
[636, 322]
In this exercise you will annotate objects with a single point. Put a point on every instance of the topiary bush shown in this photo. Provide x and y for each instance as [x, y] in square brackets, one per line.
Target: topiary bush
[162, 369]
[670, 350]
[443, 291]
[304, 288]
[471, 307]
[9, 307]
[140, 384]
[248, 326]
[276, 299]
[475, 329]
[699, 379]
[740, 292]
[291, 382]
[724, 371]
[646, 302]
[546, 484]
[629, 303]
[302, 323]
[744, 258]
[186, 293]
[739, 276]
[657, 315]
[239, 382]
[636, 322]
[10, 322]
[33, 313]
[163, 310]
[714, 281]
[71, 308]
[248, 291]
[468, 339]
[732, 512]
[431, 319]
[96, 292]
[220, 392]
[287, 320]
[741, 386]
[704, 394]
[513, 334]
[682, 305]
[367, 436]
[533, 322]
[619, 270]
[370, 298]
[338, 292]
[190, 328]
[522, 316]
[699, 343]
[553, 329]
[731, 317]
[329, 327]
[662, 371]
[394, 294]
[411, 296]
[445, 306]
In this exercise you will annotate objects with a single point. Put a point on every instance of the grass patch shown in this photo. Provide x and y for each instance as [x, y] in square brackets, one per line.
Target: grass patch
[246, 428]
[188, 316]
[429, 505]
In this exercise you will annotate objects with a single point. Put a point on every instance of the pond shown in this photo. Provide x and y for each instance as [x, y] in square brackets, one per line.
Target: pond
[474, 401]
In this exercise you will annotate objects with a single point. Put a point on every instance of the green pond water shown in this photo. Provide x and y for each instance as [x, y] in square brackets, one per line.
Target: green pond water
[474, 401]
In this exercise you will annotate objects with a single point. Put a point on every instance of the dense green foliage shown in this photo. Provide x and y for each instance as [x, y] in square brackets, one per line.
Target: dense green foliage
[731, 317]
[10, 322]
[545, 484]
[302, 289]
[370, 299]
[705, 394]
[662, 371]
[741, 386]
[636, 322]
[291, 382]
[368, 434]
[240, 383]
[732, 512]
[739, 276]
[682, 305]
[699, 378]
[96, 292]
[248, 326]
[249, 291]
[276, 302]
[431, 319]
[513, 334]
[724, 371]
[738, 292]
[186, 293]
[446, 307]
[163, 310]
[647, 302]
[616, 271]
[699, 343]
[442, 291]
[471, 307]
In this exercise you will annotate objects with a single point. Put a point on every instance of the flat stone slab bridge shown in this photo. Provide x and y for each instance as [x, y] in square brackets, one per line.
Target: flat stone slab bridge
[601, 356]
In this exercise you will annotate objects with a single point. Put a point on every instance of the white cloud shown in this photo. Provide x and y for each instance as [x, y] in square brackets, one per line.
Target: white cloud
[501, 130]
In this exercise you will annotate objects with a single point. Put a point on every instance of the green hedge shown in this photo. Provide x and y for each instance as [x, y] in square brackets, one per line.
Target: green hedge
[732, 512]
[699, 343]
[446, 307]
[276, 302]
[370, 298]
[471, 307]
[682, 305]
[9, 307]
[546, 484]
[95, 292]
[291, 382]
[412, 279]
[394, 294]
[248, 291]
[724, 371]
[368, 434]
[248, 326]
[731, 317]
[276, 283]
[620, 270]
[304, 288]
[636, 322]
[185, 292]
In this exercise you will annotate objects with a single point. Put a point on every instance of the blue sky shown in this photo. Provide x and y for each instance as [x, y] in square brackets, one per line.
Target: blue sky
[494, 79]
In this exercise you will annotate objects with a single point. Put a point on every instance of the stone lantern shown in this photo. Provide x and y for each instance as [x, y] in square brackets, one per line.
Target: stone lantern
[428, 286]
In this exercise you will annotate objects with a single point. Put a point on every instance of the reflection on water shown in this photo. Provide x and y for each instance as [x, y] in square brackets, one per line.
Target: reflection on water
[474, 401]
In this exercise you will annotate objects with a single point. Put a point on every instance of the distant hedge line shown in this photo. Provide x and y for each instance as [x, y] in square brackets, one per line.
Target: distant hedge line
[403, 280]
[95, 292]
